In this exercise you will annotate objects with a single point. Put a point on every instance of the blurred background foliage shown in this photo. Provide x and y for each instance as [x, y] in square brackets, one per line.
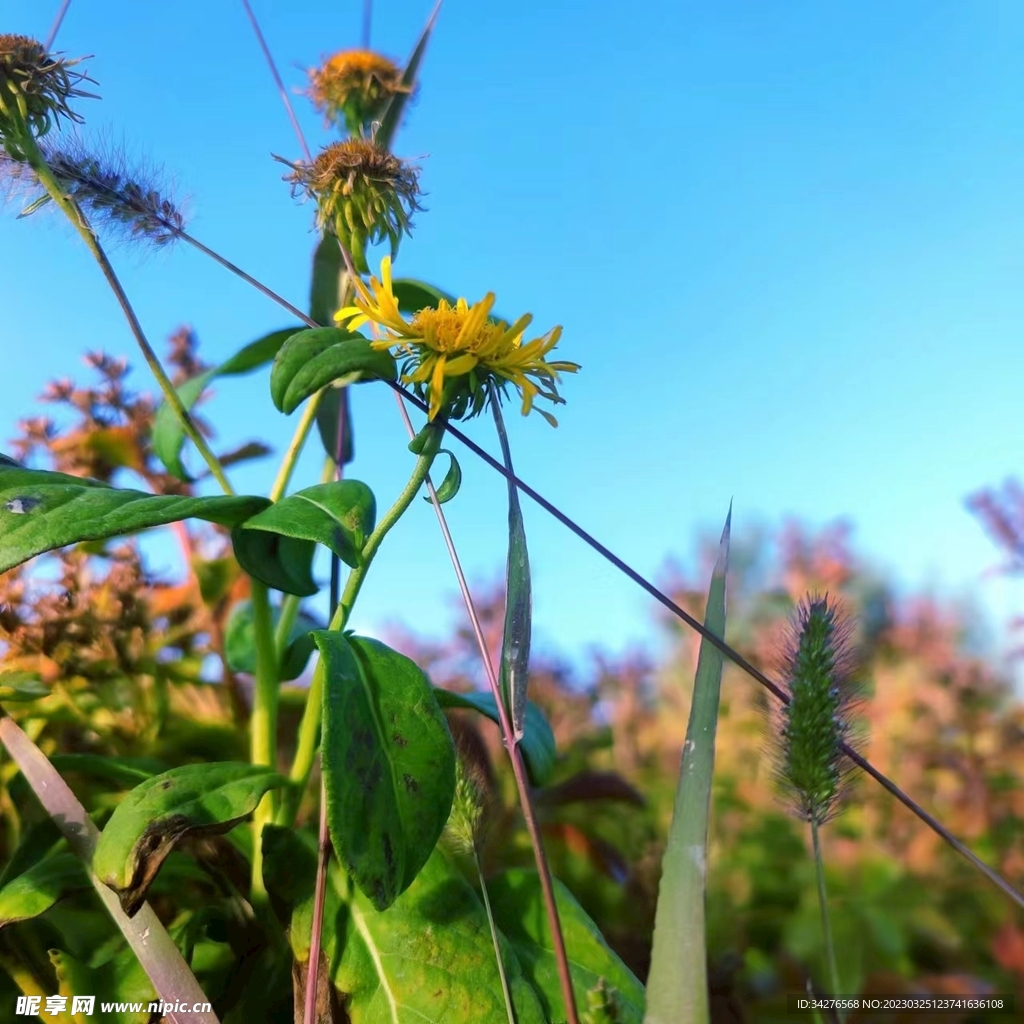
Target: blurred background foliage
[139, 669]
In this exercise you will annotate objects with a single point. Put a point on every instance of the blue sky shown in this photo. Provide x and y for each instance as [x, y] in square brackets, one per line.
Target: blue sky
[785, 241]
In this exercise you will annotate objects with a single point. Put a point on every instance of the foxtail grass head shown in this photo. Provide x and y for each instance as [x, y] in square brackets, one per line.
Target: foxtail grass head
[354, 87]
[456, 355]
[363, 194]
[466, 826]
[36, 89]
[128, 200]
[812, 770]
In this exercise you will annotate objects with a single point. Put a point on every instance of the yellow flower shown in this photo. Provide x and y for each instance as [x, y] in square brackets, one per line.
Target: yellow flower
[455, 353]
[355, 86]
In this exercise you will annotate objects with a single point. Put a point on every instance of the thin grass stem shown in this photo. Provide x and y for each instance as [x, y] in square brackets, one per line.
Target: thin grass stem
[826, 919]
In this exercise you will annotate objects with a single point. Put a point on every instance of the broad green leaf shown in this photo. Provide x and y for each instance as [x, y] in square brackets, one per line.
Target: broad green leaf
[37, 889]
[313, 358]
[240, 642]
[538, 743]
[195, 799]
[428, 959]
[40, 511]
[515, 643]
[18, 686]
[168, 435]
[452, 480]
[392, 117]
[677, 990]
[282, 563]
[519, 912]
[388, 763]
[340, 515]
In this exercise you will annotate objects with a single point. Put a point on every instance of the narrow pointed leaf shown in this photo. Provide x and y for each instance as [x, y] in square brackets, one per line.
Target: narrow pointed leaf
[168, 435]
[195, 799]
[392, 117]
[538, 743]
[677, 989]
[332, 411]
[40, 511]
[41, 886]
[515, 644]
[388, 763]
[452, 480]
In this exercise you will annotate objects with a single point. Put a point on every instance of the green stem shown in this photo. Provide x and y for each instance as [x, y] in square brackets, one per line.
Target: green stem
[309, 726]
[291, 456]
[71, 210]
[263, 724]
[290, 603]
[826, 924]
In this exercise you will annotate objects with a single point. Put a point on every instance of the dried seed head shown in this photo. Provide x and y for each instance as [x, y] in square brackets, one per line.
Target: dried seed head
[812, 769]
[354, 86]
[35, 89]
[126, 199]
[363, 194]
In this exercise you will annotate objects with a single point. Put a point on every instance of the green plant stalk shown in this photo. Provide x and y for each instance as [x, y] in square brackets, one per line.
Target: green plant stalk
[309, 726]
[284, 474]
[263, 724]
[677, 985]
[826, 922]
[70, 209]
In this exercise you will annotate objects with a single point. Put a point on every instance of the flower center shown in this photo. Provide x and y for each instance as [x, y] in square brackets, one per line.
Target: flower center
[440, 330]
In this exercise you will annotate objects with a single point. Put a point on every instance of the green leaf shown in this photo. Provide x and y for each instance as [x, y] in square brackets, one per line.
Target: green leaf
[36, 890]
[129, 771]
[168, 435]
[518, 907]
[538, 743]
[195, 799]
[388, 763]
[119, 980]
[428, 959]
[36, 842]
[677, 990]
[452, 480]
[515, 643]
[332, 408]
[240, 642]
[19, 686]
[392, 117]
[40, 511]
[313, 358]
[340, 515]
[412, 295]
[327, 281]
[282, 563]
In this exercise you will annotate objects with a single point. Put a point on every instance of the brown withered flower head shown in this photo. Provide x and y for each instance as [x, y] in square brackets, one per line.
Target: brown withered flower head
[354, 86]
[364, 194]
[35, 90]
